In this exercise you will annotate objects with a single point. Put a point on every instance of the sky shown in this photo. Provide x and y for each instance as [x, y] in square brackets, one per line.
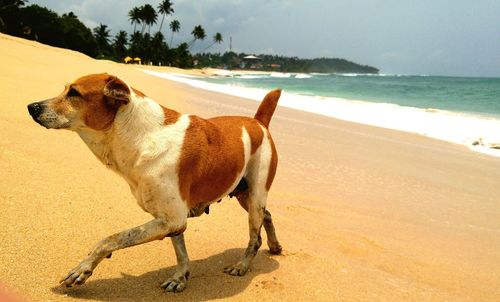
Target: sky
[431, 37]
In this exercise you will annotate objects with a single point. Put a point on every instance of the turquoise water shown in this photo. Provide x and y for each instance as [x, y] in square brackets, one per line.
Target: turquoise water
[467, 110]
[468, 95]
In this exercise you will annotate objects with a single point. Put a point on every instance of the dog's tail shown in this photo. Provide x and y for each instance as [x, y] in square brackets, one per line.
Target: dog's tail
[267, 107]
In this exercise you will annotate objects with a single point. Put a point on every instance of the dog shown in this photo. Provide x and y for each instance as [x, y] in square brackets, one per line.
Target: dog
[176, 165]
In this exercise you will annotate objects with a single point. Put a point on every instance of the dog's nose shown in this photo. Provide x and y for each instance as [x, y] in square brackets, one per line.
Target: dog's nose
[35, 109]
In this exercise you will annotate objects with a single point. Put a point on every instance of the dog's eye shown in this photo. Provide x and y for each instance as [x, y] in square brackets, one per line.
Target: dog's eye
[73, 93]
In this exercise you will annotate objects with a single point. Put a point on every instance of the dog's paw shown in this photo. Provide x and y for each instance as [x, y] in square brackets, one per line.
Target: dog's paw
[275, 248]
[77, 276]
[176, 283]
[239, 269]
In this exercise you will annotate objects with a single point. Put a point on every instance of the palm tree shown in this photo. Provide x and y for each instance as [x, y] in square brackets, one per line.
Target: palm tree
[146, 48]
[101, 34]
[217, 39]
[7, 7]
[70, 15]
[120, 44]
[175, 26]
[134, 15]
[198, 34]
[165, 8]
[136, 44]
[149, 16]
[4, 4]
[181, 56]
[159, 49]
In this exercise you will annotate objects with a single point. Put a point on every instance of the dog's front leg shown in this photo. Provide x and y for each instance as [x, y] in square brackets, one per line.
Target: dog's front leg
[178, 281]
[156, 229]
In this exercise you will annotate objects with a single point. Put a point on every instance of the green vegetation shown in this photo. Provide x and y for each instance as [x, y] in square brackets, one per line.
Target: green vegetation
[38, 23]
[41, 24]
[233, 60]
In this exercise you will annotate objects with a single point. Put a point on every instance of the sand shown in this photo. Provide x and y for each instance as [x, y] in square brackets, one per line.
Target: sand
[363, 213]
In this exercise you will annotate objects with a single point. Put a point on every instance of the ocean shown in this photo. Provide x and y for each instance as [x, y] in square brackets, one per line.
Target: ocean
[456, 109]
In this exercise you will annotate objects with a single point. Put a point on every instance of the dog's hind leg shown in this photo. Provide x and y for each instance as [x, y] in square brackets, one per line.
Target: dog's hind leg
[156, 229]
[241, 193]
[255, 208]
[272, 240]
[252, 195]
[178, 281]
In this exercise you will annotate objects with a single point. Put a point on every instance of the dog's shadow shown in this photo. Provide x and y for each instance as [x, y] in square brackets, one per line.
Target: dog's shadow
[207, 281]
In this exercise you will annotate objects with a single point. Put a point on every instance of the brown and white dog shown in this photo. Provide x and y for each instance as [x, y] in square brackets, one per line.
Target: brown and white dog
[176, 165]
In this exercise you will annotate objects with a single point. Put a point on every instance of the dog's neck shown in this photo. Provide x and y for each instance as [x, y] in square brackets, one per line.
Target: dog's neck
[139, 117]
[133, 122]
[98, 142]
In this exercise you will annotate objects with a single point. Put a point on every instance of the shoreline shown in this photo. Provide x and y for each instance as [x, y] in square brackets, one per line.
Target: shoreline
[427, 122]
[363, 213]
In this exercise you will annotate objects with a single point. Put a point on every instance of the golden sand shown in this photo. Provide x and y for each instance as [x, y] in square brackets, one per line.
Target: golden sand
[363, 214]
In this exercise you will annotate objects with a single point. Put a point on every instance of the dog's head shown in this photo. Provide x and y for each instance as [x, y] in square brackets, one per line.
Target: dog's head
[91, 102]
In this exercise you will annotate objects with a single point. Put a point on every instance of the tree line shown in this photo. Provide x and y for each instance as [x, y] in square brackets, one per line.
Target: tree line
[41, 24]
[265, 62]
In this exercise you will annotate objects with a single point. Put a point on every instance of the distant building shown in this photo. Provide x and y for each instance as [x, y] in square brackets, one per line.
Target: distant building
[251, 62]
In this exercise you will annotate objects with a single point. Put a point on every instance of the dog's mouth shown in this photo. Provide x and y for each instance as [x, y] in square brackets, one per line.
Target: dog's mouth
[40, 123]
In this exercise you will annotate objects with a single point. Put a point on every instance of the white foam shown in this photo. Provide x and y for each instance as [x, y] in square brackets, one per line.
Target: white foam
[479, 133]
[222, 73]
[253, 76]
[302, 76]
[280, 75]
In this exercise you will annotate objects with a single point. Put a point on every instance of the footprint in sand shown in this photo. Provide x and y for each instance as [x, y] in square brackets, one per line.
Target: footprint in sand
[297, 208]
[297, 254]
[270, 285]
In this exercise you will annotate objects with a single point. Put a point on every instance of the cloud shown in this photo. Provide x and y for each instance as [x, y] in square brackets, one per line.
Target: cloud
[386, 33]
[219, 21]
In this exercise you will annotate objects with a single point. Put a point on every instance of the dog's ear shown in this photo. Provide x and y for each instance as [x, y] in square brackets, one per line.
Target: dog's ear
[117, 91]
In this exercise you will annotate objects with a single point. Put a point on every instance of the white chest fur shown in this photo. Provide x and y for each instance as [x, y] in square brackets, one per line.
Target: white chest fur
[143, 150]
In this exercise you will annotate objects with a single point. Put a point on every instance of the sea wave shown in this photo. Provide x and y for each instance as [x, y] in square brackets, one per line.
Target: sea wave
[280, 75]
[252, 76]
[272, 75]
[479, 133]
[378, 75]
[303, 76]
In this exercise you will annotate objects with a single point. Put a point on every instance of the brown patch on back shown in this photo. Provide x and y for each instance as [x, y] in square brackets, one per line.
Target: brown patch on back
[273, 165]
[255, 132]
[252, 126]
[212, 156]
[171, 116]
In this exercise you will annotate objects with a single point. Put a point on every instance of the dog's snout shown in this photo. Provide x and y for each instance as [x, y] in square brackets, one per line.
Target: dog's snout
[35, 109]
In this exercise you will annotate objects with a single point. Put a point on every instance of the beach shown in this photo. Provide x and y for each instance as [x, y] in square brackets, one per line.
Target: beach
[363, 213]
